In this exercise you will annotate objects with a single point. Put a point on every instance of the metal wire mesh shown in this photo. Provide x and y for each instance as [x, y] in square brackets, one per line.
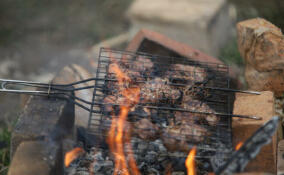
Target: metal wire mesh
[203, 81]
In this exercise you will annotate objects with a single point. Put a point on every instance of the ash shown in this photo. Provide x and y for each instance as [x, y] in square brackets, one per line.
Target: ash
[152, 158]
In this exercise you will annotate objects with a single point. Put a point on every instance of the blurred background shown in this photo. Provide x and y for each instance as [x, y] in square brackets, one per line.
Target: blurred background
[38, 38]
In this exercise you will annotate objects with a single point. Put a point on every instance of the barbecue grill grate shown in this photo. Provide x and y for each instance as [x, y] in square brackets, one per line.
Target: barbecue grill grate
[214, 148]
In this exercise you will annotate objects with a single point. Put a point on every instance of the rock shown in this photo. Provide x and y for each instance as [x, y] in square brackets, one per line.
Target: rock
[260, 81]
[203, 24]
[261, 45]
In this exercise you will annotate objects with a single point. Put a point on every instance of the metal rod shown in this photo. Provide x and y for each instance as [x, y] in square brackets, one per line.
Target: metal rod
[61, 89]
[234, 90]
[185, 110]
[224, 114]
[5, 82]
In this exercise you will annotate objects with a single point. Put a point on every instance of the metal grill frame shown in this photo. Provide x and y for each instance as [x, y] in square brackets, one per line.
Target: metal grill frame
[96, 115]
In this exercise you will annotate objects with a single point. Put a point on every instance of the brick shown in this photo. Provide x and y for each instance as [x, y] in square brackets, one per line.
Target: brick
[280, 158]
[261, 106]
[145, 39]
[37, 157]
[158, 44]
[44, 118]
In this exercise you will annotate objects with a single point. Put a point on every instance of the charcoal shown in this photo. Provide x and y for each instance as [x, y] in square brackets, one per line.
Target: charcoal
[98, 156]
[178, 173]
[151, 155]
[82, 172]
[160, 145]
[71, 170]
[151, 159]
[82, 169]
[153, 171]
[178, 163]
[142, 146]
[101, 164]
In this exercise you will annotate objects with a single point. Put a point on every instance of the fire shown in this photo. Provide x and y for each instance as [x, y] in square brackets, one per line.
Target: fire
[132, 95]
[72, 155]
[189, 162]
[118, 137]
[121, 76]
[116, 142]
[239, 145]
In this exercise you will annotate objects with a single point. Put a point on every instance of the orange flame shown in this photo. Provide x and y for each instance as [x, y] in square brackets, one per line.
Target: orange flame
[117, 139]
[239, 145]
[189, 162]
[116, 142]
[132, 95]
[121, 76]
[72, 155]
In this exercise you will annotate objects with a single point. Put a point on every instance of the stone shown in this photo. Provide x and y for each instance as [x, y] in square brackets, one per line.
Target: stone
[261, 45]
[37, 157]
[259, 81]
[203, 24]
[71, 74]
[261, 106]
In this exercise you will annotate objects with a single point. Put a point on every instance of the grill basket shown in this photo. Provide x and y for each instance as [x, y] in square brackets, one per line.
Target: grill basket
[204, 80]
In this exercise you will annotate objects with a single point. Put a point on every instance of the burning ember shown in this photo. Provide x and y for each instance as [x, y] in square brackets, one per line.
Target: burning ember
[72, 155]
[239, 145]
[189, 162]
